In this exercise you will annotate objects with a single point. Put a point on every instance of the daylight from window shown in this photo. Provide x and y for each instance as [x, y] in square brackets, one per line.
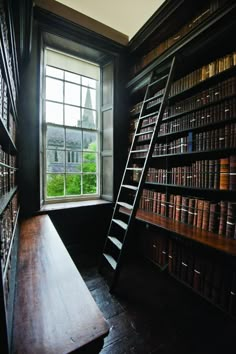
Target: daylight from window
[71, 136]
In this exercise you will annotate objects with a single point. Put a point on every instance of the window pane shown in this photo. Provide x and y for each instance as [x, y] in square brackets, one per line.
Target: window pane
[90, 141]
[55, 137]
[89, 184]
[72, 94]
[89, 162]
[73, 139]
[73, 184]
[89, 82]
[89, 119]
[72, 116]
[72, 77]
[73, 161]
[50, 71]
[88, 98]
[54, 113]
[56, 161]
[54, 90]
[55, 185]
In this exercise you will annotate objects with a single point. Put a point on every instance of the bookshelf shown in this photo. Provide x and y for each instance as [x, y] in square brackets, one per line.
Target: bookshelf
[9, 205]
[187, 211]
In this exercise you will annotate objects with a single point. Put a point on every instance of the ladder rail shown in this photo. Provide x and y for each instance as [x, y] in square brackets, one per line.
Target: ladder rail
[128, 161]
[143, 170]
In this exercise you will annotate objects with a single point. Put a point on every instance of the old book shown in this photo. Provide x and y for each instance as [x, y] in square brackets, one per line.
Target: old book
[231, 220]
[223, 217]
[232, 172]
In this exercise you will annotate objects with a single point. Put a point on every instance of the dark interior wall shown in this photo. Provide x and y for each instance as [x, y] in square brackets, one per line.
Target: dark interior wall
[83, 229]
[28, 136]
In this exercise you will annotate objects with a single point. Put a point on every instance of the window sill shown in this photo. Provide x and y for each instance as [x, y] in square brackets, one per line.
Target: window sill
[70, 205]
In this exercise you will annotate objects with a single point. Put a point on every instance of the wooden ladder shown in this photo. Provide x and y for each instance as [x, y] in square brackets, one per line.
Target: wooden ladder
[148, 126]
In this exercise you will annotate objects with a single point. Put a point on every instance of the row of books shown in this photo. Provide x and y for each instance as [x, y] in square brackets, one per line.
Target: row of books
[218, 217]
[7, 159]
[221, 138]
[154, 246]
[162, 47]
[213, 94]
[209, 277]
[7, 222]
[212, 114]
[6, 42]
[205, 72]
[221, 90]
[5, 113]
[218, 174]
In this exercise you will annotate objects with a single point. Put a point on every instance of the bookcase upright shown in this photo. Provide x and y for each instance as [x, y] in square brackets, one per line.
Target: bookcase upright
[187, 212]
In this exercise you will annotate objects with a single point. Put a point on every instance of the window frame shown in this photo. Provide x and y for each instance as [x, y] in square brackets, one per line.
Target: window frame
[43, 166]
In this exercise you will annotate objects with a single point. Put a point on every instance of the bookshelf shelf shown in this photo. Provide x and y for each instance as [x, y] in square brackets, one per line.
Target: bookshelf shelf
[206, 238]
[6, 139]
[226, 193]
[6, 198]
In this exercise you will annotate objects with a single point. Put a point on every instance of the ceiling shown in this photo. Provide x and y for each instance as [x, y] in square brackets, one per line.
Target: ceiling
[125, 16]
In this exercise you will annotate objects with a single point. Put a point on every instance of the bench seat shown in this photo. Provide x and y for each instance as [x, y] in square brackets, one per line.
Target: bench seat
[54, 310]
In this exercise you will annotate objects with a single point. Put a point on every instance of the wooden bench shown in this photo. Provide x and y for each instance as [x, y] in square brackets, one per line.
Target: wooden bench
[54, 311]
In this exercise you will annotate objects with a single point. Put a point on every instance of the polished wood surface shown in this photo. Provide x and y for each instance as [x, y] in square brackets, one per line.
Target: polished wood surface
[206, 238]
[54, 310]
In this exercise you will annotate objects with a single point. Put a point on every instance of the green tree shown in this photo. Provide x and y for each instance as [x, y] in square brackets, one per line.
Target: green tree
[55, 182]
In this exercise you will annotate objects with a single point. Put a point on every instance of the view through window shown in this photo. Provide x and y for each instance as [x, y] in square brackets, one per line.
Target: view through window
[71, 134]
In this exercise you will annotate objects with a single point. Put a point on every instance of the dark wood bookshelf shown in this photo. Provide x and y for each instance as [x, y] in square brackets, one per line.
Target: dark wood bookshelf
[11, 244]
[225, 193]
[206, 238]
[211, 74]
[6, 198]
[192, 39]
[6, 139]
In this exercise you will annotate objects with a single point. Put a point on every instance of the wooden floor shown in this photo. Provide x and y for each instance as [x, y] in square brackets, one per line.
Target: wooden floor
[152, 313]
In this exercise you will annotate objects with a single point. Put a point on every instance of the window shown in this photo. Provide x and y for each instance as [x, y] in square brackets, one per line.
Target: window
[71, 140]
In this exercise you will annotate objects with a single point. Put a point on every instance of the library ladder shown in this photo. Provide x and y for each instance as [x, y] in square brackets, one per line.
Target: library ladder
[127, 202]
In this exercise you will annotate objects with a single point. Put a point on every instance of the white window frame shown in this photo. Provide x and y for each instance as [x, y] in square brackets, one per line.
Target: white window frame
[68, 198]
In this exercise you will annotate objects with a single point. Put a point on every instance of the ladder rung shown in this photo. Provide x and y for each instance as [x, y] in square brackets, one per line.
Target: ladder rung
[153, 98]
[125, 205]
[149, 115]
[148, 125]
[158, 80]
[134, 168]
[116, 242]
[147, 132]
[110, 260]
[137, 151]
[120, 223]
[129, 186]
